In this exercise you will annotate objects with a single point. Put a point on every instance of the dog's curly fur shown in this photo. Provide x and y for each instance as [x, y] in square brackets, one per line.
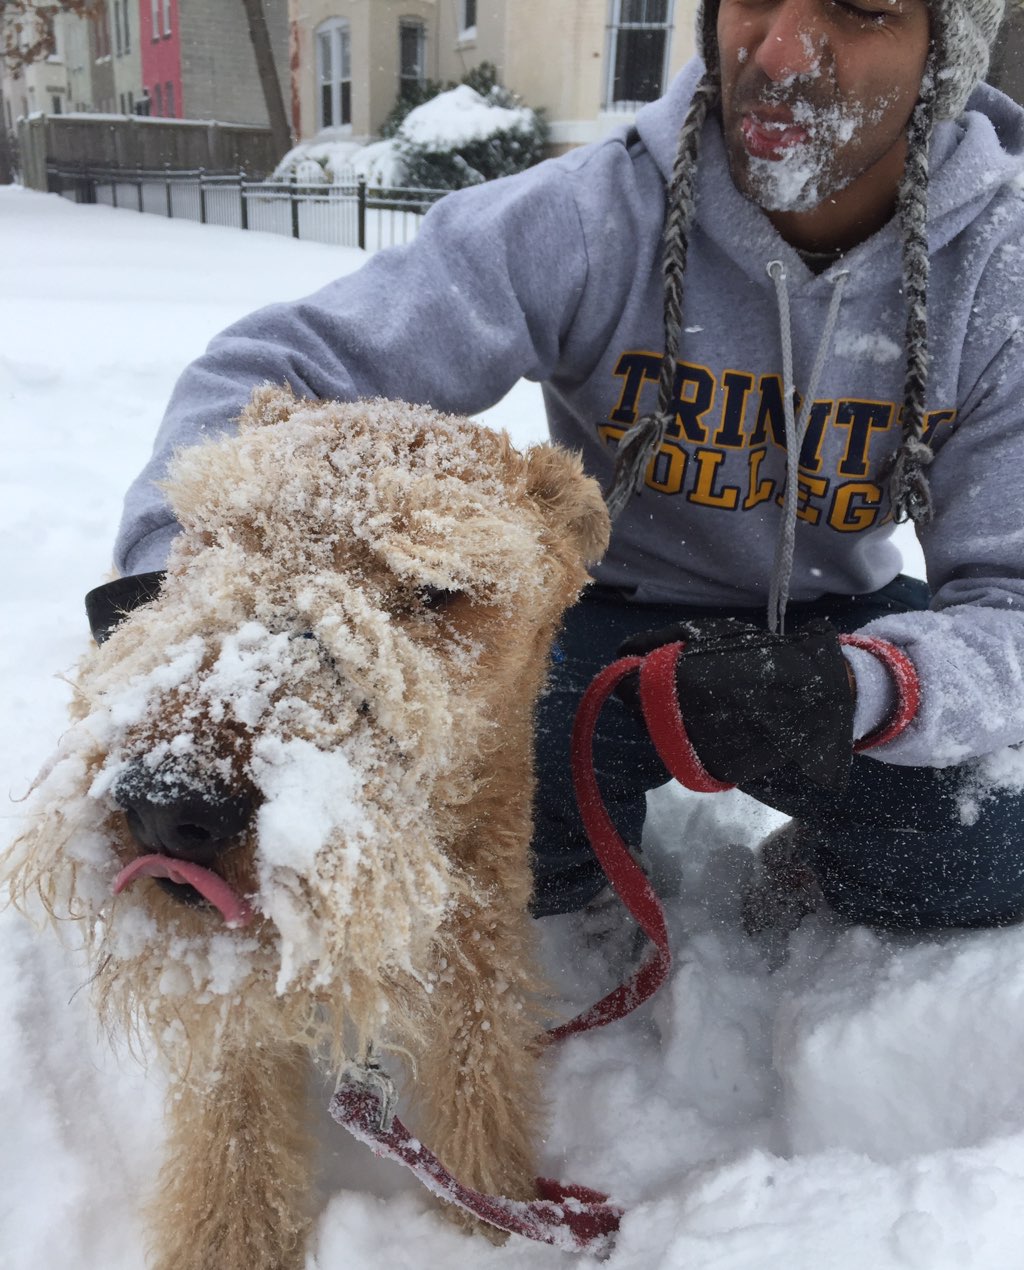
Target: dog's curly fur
[297, 649]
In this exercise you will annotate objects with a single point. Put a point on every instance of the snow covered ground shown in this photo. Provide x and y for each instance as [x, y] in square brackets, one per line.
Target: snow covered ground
[861, 1106]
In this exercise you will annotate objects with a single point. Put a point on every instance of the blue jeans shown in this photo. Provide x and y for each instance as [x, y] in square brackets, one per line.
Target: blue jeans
[892, 850]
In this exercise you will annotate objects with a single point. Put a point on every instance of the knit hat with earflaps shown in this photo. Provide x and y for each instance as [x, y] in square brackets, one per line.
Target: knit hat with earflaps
[962, 35]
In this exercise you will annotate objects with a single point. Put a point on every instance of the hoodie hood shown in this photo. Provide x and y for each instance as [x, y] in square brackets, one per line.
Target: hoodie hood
[658, 124]
[973, 160]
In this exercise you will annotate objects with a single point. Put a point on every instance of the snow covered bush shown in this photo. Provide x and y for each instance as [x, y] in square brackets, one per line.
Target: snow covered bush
[463, 137]
[440, 138]
[408, 99]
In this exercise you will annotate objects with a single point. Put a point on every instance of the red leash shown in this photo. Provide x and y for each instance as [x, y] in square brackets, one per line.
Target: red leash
[622, 871]
[575, 1218]
[572, 1218]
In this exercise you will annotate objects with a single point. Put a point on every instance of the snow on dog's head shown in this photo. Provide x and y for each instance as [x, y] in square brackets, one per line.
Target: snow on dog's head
[353, 623]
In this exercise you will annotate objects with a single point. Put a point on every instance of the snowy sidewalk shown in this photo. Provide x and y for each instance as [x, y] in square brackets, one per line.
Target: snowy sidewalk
[861, 1107]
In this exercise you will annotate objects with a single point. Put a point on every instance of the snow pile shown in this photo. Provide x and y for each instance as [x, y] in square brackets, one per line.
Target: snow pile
[859, 1105]
[862, 1105]
[341, 163]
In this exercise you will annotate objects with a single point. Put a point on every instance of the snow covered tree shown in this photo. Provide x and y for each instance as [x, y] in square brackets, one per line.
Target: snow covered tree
[26, 28]
[26, 36]
[266, 68]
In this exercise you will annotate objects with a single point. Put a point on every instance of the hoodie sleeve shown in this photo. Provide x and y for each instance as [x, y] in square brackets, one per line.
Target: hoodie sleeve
[485, 295]
[969, 648]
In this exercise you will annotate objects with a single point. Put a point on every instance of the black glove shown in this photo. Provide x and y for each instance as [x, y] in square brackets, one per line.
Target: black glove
[753, 702]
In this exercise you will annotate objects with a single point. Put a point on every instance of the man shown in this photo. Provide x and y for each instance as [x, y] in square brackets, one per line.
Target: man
[835, 343]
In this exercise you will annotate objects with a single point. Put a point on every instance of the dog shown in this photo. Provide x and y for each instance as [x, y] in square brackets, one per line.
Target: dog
[292, 815]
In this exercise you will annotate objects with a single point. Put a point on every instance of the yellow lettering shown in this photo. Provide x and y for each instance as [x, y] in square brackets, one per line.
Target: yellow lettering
[760, 491]
[807, 487]
[666, 470]
[704, 492]
[855, 506]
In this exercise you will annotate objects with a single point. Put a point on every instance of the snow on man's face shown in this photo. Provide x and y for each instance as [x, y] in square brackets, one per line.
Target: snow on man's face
[816, 96]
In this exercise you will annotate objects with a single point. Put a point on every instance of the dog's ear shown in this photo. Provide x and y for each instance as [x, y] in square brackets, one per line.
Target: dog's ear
[269, 404]
[571, 500]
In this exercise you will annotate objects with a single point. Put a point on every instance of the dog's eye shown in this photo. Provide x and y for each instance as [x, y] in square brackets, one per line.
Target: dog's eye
[435, 598]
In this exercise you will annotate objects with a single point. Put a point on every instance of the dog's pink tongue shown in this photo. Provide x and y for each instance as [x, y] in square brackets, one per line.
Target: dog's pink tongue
[235, 910]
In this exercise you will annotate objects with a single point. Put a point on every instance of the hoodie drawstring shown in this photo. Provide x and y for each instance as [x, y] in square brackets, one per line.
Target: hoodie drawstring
[796, 429]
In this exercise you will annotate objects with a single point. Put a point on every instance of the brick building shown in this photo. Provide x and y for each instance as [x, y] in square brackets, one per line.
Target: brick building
[171, 58]
[160, 56]
[219, 79]
[198, 62]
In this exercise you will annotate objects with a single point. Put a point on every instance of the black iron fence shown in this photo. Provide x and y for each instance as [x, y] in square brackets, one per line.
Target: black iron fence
[346, 214]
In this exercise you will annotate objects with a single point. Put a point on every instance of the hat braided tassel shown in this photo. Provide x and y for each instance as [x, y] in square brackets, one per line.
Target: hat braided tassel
[642, 442]
[909, 489]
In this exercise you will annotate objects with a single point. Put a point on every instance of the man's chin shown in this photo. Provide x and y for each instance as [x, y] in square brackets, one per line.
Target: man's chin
[794, 182]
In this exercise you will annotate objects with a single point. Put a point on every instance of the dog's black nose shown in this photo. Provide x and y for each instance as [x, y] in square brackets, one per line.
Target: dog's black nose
[179, 818]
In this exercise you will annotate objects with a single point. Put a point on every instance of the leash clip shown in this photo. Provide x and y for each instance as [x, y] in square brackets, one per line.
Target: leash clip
[370, 1078]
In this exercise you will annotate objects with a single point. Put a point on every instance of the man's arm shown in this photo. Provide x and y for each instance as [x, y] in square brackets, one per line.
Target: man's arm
[483, 297]
[969, 649]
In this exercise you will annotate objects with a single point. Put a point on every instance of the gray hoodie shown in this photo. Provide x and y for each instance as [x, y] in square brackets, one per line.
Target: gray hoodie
[555, 275]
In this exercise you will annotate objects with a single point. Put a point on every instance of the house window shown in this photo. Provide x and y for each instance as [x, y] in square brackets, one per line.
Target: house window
[169, 100]
[167, 17]
[334, 73]
[155, 15]
[412, 56]
[117, 27]
[126, 28]
[158, 100]
[468, 18]
[101, 35]
[637, 52]
[56, 103]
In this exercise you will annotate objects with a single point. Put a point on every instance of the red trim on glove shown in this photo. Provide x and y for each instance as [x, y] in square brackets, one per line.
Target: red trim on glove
[908, 689]
[663, 716]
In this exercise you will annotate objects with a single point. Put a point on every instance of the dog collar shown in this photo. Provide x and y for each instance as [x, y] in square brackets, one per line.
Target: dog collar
[107, 606]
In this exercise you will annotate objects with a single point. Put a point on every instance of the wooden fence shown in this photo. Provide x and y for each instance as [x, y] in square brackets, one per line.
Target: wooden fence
[134, 143]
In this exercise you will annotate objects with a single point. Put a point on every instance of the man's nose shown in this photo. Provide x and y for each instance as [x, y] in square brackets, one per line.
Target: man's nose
[794, 41]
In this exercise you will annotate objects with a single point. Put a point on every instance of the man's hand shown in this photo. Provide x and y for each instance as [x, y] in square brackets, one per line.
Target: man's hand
[753, 702]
